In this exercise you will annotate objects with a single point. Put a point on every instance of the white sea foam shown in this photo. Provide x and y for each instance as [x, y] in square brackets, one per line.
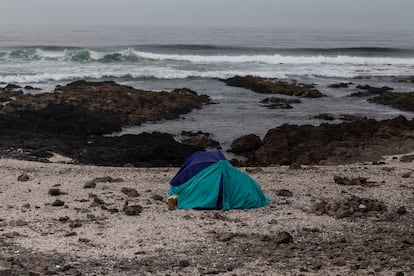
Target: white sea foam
[129, 54]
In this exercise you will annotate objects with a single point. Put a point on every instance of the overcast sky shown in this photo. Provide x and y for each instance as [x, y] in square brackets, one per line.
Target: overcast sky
[391, 14]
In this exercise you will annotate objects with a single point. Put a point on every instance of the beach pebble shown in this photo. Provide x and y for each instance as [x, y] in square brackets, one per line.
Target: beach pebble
[283, 237]
[132, 210]
[131, 192]
[89, 185]
[157, 197]
[284, 192]
[401, 210]
[55, 192]
[23, 177]
[58, 203]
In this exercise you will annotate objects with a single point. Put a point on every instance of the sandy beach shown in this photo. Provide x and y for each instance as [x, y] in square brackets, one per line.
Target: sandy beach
[92, 235]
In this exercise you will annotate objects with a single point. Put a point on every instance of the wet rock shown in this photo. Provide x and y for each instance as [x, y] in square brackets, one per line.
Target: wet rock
[58, 203]
[28, 87]
[115, 103]
[23, 177]
[72, 120]
[340, 85]
[193, 134]
[279, 103]
[370, 91]
[399, 100]
[269, 86]
[7, 94]
[325, 116]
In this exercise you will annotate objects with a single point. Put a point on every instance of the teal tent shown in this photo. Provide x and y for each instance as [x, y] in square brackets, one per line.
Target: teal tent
[208, 181]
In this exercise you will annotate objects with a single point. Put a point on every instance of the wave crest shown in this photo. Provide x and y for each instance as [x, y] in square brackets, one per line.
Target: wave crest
[131, 55]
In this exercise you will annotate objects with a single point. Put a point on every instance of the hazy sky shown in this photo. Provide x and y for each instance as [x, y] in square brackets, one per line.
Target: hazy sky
[281, 13]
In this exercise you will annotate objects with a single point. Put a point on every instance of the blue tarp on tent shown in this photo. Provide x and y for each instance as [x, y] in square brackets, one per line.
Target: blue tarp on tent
[208, 181]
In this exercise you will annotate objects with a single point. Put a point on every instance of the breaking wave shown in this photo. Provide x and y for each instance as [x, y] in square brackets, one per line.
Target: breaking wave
[357, 56]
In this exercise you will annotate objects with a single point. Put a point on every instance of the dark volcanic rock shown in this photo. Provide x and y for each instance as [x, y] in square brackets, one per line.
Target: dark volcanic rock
[6, 94]
[268, 86]
[361, 140]
[278, 103]
[132, 210]
[103, 103]
[370, 91]
[58, 203]
[340, 85]
[325, 116]
[199, 138]
[343, 117]
[71, 120]
[245, 144]
[201, 141]
[402, 101]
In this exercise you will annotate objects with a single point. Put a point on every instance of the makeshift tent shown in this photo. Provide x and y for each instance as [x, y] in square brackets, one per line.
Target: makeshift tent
[208, 181]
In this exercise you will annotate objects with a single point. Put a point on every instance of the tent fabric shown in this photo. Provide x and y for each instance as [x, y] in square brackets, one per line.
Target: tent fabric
[194, 164]
[220, 179]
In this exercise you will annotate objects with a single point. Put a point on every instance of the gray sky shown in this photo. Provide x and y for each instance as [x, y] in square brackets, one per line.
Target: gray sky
[377, 14]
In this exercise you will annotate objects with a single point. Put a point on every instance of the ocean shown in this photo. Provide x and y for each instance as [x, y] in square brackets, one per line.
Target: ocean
[164, 58]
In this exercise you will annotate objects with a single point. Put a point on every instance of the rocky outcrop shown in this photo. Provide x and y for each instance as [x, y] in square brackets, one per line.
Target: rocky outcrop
[402, 101]
[112, 102]
[246, 144]
[271, 86]
[370, 91]
[343, 117]
[334, 143]
[340, 85]
[201, 139]
[8, 92]
[71, 121]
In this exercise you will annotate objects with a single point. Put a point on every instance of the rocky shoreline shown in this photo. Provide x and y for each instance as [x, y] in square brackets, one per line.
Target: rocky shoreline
[74, 121]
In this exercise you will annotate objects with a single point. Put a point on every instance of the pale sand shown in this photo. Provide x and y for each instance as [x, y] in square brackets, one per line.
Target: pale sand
[158, 232]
